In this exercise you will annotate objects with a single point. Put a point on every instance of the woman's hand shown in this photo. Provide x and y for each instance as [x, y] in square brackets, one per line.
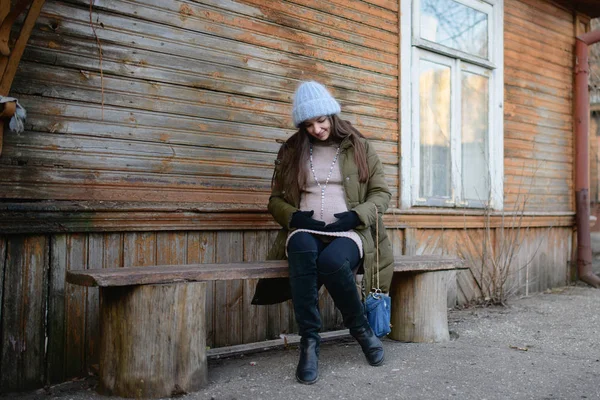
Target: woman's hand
[346, 221]
[304, 220]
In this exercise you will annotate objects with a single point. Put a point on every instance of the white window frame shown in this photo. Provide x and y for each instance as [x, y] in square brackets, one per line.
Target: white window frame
[411, 48]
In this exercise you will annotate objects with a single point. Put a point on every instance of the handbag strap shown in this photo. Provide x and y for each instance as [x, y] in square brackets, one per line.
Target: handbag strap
[377, 289]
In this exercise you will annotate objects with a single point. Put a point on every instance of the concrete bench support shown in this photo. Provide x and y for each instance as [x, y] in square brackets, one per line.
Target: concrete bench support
[153, 341]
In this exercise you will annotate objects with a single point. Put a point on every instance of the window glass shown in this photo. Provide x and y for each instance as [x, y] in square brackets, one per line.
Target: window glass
[474, 137]
[434, 119]
[455, 25]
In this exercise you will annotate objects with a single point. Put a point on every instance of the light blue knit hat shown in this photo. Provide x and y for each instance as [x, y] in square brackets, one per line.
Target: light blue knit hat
[312, 100]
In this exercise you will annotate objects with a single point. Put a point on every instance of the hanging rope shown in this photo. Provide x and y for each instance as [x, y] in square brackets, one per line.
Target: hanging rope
[99, 56]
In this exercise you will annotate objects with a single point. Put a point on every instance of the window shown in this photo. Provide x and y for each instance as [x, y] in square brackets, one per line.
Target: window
[452, 142]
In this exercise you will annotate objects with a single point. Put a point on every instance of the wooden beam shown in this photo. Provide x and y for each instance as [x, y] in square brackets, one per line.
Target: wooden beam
[9, 60]
[63, 216]
[4, 9]
[17, 52]
[7, 23]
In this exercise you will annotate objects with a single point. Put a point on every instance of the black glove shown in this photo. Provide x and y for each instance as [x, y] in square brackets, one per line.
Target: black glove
[346, 221]
[303, 220]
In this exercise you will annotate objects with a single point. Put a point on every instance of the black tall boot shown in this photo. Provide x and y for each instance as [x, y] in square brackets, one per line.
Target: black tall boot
[342, 288]
[305, 297]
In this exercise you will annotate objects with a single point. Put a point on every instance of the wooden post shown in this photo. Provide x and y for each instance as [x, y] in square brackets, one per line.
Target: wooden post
[153, 340]
[419, 306]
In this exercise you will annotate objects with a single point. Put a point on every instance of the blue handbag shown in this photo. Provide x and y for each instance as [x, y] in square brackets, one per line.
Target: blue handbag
[378, 305]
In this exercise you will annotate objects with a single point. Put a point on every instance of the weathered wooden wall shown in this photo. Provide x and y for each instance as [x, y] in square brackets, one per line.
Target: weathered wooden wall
[193, 95]
[49, 329]
[538, 123]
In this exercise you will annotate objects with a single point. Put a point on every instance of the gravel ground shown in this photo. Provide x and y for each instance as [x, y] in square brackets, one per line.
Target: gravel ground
[541, 347]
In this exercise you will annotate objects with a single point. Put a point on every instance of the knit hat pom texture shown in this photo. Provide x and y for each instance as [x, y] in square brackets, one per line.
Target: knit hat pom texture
[312, 100]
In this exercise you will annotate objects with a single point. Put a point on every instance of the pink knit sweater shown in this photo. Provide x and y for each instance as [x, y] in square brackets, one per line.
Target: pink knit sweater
[335, 201]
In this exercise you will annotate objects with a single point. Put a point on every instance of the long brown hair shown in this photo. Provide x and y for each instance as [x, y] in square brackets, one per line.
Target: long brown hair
[293, 176]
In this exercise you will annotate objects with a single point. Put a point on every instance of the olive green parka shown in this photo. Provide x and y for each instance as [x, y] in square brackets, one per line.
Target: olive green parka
[369, 200]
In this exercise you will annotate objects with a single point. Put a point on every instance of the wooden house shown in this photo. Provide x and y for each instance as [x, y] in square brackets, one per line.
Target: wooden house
[151, 135]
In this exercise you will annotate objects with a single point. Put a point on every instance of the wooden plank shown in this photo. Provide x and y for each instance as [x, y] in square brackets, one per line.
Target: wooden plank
[540, 116]
[468, 290]
[224, 270]
[519, 173]
[226, 198]
[538, 155]
[274, 328]
[139, 249]
[22, 331]
[201, 249]
[524, 97]
[542, 137]
[540, 202]
[180, 217]
[75, 307]
[377, 10]
[174, 156]
[212, 76]
[213, 14]
[274, 19]
[531, 30]
[171, 248]
[350, 10]
[340, 52]
[517, 30]
[539, 21]
[271, 20]
[544, 14]
[539, 84]
[170, 99]
[523, 164]
[87, 119]
[157, 158]
[396, 236]
[254, 319]
[325, 308]
[228, 294]
[3, 239]
[549, 148]
[531, 64]
[387, 4]
[96, 249]
[552, 54]
[512, 181]
[104, 251]
[284, 342]
[56, 309]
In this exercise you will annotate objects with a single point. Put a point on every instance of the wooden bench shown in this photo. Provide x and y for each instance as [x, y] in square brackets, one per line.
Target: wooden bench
[152, 319]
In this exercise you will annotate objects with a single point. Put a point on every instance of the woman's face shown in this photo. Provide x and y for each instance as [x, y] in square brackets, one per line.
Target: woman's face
[319, 127]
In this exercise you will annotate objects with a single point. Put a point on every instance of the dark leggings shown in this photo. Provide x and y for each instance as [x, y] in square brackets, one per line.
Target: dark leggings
[332, 255]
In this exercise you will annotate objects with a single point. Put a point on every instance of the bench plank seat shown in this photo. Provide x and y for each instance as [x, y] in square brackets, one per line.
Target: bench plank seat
[165, 274]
